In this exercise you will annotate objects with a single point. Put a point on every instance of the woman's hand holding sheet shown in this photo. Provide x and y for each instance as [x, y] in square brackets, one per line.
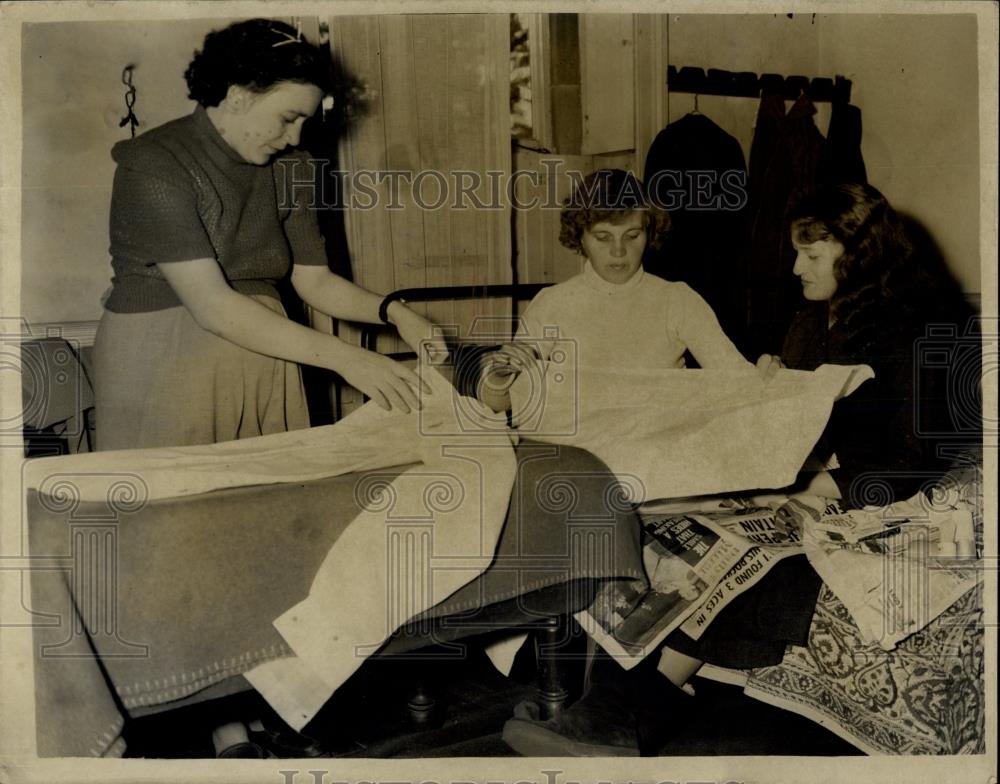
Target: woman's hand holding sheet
[768, 365]
[500, 369]
[418, 333]
[390, 384]
[511, 358]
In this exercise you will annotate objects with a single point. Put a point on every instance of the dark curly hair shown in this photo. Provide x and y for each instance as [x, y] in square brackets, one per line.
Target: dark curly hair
[256, 54]
[609, 195]
[884, 281]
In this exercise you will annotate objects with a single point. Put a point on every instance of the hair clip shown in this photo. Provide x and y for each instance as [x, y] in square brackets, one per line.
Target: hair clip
[289, 38]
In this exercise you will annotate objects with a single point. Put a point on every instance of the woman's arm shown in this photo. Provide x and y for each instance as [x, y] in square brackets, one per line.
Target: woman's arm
[219, 309]
[336, 296]
[331, 294]
[820, 484]
[703, 335]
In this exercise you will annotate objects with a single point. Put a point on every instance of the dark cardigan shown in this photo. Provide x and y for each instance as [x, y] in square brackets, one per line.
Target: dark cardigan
[898, 432]
[894, 436]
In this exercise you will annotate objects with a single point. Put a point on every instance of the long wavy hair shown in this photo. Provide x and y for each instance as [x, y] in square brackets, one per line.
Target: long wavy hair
[609, 195]
[878, 274]
[256, 54]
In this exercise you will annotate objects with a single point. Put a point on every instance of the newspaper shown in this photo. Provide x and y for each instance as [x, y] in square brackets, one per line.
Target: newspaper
[696, 563]
[895, 568]
[754, 525]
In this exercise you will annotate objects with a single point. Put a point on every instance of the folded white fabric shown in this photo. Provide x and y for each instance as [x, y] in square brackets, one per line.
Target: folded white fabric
[423, 536]
[670, 433]
[369, 438]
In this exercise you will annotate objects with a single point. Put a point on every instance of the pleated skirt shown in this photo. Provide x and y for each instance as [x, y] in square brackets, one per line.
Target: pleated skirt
[162, 380]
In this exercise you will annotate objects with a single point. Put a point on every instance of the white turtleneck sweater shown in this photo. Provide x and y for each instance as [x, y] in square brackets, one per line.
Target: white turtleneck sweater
[646, 322]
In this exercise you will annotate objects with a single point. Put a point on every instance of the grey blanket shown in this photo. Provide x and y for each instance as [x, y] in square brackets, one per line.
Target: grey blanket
[147, 608]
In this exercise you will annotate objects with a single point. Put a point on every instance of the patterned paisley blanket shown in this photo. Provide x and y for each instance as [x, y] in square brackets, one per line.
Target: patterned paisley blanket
[927, 696]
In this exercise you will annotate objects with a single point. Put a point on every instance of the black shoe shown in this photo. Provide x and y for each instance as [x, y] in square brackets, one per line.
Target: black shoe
[595, 726]
[244, 750]
[281, 741]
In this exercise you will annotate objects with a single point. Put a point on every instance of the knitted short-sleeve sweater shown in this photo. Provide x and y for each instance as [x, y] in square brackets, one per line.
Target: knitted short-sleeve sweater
[182, 193]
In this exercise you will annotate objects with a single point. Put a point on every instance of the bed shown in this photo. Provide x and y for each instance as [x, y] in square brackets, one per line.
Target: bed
[138, 611]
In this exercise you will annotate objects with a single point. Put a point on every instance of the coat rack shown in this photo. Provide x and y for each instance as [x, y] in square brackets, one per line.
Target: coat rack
[749, 85]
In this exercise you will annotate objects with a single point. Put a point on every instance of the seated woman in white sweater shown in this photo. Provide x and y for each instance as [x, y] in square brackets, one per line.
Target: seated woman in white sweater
[617, 317]
[616, 314]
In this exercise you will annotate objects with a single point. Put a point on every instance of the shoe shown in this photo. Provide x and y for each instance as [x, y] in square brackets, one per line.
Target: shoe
[281, 741]
[288, 745]
[591, 727]
[244, 750]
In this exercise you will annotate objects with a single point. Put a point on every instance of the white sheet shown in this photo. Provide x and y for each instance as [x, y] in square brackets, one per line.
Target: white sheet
[420, 539]
[368, 439]
[671, 433]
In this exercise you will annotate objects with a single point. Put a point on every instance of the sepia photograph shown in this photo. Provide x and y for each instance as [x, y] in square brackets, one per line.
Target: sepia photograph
[441, 392]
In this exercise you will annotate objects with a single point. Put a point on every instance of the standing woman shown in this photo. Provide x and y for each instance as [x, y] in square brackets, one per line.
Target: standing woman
[194, 346]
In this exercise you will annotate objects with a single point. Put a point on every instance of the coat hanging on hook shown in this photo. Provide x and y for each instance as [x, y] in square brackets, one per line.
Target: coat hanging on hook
[696, 171]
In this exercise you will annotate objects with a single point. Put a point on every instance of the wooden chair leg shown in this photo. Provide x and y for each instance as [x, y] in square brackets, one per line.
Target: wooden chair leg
[552, 691]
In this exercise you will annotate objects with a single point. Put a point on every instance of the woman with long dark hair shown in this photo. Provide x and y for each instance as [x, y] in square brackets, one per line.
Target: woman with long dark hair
[875, 296]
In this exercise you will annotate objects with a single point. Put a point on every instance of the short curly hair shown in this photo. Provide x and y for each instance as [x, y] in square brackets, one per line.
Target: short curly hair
[609, 195]
[256, 54]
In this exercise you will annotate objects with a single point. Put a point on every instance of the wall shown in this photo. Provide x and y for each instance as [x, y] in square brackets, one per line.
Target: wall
[73, 100]
[920, 104]
[441, 105]
[761, 43]
[914, 79]
[918, 98]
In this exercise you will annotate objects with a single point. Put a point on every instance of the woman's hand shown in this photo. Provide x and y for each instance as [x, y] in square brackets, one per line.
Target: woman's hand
[499, 370]
[418, 333]
[768, 365]
[511, 359]
[390, 384]
[790, 518]
[791, 511]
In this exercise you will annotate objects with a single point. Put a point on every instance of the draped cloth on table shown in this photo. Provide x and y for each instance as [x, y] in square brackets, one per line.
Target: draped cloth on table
[421, 537]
